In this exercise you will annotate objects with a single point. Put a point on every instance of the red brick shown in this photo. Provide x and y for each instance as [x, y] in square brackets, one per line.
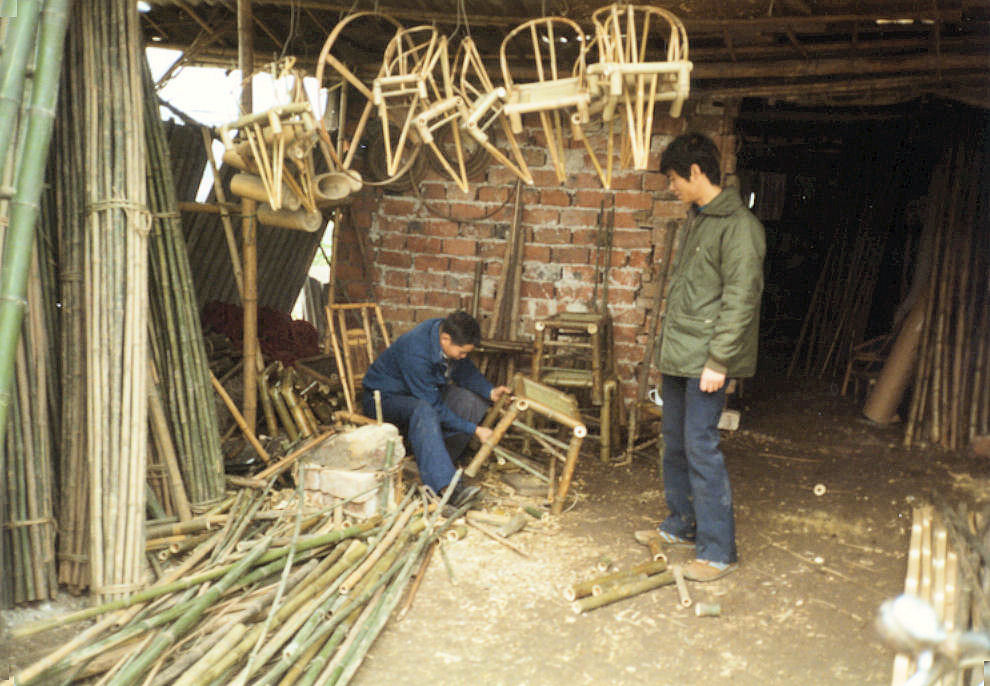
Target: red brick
[630, 278]
[393, 314]
[491, 252]
[437, 262]
[574, 293]
[628, 220]
[637, 259]
[476, 230]
[552, 234]
[394, 277]
[532, 289]
[460, 246]
[536, 253]
[589, 198]
[632, 238]
[579, 219]
[387, 294]
[569, 255]
[462, 266]
[459, 283]
[621, 297]
[545, 178]
[555, 197]
[492, 194]
[585, 236]
[535, 217]
[500, 176]
[627, 181]
[654, 181]
[417, 298]
[636, 200]
[465, 210]
[398, 206]
[361, 220]
[534, 157]
[427, 281]
[440, 227]
[443, 300]
[433, 191]
[430, 245]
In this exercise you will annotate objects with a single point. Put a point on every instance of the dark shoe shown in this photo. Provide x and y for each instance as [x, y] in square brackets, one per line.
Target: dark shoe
[462, 495]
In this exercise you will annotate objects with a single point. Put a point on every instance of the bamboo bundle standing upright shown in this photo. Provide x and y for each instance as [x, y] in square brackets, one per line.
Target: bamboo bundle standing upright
[116, 287]
[950, 404]
[177, 337]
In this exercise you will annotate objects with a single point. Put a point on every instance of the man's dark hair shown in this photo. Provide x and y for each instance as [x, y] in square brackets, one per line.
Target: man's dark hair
[462, 328]
[692, 148]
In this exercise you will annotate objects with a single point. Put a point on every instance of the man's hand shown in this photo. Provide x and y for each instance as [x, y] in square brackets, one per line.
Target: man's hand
[711, 380]
[498, 392]
[483, 433]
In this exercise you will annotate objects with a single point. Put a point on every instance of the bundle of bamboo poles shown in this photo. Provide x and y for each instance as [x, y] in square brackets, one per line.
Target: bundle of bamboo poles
[293, 600]
[29, 70]
[115, 278]
[948, 569]
[177, 336]
[950, 404]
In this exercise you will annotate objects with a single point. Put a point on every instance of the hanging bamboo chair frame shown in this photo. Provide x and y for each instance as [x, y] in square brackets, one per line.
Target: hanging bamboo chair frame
[556, 89]
[483, 105]
[624, 78]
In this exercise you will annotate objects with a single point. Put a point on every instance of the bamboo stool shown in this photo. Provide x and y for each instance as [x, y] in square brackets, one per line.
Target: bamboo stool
[353, 345]
[531, 397]
[865, 362]
[574, 351]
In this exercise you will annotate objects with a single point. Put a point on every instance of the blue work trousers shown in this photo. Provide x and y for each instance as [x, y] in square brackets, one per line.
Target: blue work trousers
[695, 481]
[434, 448]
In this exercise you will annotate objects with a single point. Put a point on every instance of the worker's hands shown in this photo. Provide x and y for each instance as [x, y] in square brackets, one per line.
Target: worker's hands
[498, 392]
[711, 380]
[483, 433]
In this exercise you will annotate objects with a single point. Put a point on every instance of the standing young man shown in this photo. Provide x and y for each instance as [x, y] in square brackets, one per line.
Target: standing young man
[709, 334]
[435, 395]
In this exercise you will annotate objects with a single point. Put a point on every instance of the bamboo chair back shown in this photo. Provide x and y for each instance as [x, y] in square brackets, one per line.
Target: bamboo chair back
[355, 341]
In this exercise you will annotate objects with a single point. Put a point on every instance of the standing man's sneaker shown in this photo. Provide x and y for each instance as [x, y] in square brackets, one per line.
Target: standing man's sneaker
[672, 539]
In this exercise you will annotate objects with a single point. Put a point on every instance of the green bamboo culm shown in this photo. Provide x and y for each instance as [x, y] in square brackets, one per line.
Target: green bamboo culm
[24, 208]
[13, 68]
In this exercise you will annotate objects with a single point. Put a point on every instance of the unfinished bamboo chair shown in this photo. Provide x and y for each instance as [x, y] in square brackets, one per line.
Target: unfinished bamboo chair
[509, 414]
[483, 105]
[274, 151]
[865, 363]
[556, 48]
[353, 342]
[339, 137]
[573, 351]
[625, 76]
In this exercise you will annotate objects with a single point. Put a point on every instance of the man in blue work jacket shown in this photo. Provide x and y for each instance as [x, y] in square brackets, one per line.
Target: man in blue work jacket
[435, 395]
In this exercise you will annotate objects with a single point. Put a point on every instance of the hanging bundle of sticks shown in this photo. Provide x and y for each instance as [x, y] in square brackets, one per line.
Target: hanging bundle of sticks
[177, 336]
[293, 599]
[115, 280]
[951, 400]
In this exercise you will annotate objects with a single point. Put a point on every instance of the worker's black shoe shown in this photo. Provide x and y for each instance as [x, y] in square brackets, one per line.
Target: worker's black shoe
[462, 495]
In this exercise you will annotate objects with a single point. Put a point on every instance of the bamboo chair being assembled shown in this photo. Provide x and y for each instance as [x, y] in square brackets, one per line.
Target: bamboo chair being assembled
[533, 398]
[557, 88]
[574, 351]
[354, 344]
[624, 76]
[483, 105]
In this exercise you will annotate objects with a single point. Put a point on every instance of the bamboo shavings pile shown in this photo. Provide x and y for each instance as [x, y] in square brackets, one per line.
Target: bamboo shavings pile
[294, 600]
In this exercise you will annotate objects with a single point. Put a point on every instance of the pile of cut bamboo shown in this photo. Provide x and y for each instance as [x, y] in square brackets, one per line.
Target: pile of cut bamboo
[948, 568]
[297, 599]
[951, 400]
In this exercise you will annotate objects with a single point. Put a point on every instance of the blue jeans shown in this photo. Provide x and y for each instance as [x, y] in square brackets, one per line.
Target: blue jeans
[696, 483]
[431, 444]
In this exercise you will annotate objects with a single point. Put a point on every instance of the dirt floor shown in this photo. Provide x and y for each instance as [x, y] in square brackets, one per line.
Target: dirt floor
[799, 610]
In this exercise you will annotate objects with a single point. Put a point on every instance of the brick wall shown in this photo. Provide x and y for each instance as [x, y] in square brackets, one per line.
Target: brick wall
[417, 263]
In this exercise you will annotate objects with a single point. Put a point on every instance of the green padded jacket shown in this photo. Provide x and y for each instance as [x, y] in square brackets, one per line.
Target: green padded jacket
[713, 303]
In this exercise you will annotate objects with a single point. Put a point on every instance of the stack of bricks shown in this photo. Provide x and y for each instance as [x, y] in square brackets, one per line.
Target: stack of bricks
[416, 254]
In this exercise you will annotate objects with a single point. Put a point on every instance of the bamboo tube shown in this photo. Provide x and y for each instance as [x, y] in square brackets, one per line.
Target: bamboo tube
[251, 186]
[297, 220]
[584, 588]
[682, 591]
[627, 590]
[241, 420]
